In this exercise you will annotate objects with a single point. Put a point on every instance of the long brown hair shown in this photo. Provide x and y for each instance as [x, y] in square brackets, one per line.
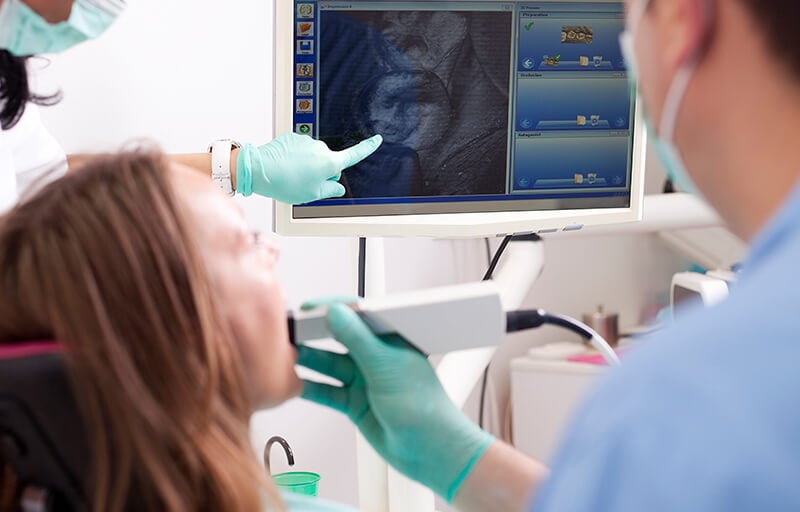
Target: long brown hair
[103, 262]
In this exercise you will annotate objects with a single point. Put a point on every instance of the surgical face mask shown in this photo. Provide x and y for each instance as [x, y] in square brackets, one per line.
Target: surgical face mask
[23, 32]
[663, 138]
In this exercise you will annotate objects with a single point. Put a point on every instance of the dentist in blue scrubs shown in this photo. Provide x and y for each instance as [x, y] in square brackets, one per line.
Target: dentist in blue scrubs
[702, 417]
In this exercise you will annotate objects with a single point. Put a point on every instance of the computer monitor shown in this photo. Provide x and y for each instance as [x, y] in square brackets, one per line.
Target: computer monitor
[498, 117]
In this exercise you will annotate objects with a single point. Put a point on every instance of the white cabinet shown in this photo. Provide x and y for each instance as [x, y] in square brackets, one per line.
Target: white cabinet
[544, 395]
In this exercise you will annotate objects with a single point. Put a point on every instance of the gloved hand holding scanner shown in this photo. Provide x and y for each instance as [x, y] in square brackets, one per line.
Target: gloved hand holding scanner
[391, 393]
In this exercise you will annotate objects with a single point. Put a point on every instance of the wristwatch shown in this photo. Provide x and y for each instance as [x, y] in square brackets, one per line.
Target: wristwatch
[221, 163]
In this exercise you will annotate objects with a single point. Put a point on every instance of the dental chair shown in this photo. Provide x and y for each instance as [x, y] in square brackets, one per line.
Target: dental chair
[42, 436]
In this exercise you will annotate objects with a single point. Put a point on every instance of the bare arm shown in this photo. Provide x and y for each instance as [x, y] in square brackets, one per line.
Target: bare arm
[503, 479]
[198, 161]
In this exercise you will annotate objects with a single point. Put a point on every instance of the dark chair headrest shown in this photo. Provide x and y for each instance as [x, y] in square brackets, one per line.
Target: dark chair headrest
[42, 435]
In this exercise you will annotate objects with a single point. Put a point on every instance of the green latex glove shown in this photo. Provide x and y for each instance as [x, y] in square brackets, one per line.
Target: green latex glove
[391, 393]
[297, 169]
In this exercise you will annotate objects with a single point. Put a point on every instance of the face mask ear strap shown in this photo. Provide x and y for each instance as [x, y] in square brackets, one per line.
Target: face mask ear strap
[672, 103]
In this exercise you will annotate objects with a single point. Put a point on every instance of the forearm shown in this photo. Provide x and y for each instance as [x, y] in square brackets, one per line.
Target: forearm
[198, 161]
[202, 162]
[502, 479]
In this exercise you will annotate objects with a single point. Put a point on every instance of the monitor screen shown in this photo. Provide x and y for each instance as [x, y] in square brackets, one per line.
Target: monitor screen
[484, 106]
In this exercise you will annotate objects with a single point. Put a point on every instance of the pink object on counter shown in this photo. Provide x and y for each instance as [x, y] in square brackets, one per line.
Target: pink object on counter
[594, 358]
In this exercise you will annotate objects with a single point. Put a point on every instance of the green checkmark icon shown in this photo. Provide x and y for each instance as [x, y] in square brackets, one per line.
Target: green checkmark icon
[529, 26]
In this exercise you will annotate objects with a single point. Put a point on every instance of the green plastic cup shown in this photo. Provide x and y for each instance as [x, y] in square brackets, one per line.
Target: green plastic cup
[300, 482]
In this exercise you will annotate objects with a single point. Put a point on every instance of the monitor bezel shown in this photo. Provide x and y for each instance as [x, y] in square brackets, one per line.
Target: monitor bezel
[451, 225]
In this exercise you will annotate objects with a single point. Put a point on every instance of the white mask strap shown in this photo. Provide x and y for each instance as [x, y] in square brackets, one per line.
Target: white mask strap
[672, 103]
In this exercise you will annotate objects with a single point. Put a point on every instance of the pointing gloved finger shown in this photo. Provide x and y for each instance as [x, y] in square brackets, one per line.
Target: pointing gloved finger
[351, 156]
[336, 366]
[354, 334]
[323, 394]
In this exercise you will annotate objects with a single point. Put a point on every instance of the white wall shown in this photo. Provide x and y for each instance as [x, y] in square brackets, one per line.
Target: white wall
[186, 72]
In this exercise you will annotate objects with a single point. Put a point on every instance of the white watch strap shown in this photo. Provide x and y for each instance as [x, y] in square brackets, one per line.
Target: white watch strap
[221, 163]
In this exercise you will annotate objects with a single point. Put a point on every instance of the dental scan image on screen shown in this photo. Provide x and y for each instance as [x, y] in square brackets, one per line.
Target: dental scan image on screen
[428, 83]
[484, 106]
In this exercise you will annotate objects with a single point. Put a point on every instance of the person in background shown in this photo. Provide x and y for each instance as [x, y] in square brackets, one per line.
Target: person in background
[291, 168]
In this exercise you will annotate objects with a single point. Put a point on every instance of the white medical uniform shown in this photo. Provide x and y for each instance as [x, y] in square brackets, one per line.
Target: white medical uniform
[29, 158]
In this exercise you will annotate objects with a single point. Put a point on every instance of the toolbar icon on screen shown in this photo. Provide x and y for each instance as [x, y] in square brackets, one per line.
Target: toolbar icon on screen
[305, 47]
[305, 28]
[304, 128]
[305, 71]
[305, 11]
[305, 106]
[305, 88]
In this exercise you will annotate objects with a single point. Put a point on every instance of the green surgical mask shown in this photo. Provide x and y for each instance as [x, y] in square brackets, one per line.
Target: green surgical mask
[23, 32]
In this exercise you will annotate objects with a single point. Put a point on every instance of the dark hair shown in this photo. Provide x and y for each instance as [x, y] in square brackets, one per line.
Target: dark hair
[15, 91]
[778, 21]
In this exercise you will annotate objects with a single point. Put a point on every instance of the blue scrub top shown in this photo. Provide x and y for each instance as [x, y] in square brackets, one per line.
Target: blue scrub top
[706, 415]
